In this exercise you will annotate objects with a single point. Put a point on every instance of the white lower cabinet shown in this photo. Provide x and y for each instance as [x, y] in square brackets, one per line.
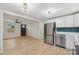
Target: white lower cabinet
[69, 42]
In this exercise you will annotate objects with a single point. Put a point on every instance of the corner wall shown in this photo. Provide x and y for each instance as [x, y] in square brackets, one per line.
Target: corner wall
[36, 30]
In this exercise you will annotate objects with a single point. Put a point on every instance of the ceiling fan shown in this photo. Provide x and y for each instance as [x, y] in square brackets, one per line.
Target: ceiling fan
[16, 21]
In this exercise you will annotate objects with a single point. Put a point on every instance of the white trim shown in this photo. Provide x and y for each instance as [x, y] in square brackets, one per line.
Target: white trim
[1, 36]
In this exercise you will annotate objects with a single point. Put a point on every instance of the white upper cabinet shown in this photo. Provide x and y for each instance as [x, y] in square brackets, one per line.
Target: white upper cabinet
[76, 20]
[68, 21]
[60, 22]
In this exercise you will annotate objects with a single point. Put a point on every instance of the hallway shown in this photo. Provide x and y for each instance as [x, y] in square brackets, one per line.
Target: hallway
[31, 46]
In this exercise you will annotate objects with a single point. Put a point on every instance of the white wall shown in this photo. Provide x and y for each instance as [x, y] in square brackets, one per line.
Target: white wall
[41, 31]
[7, 34]
[36, 29]
[33, 29]
[1, 32]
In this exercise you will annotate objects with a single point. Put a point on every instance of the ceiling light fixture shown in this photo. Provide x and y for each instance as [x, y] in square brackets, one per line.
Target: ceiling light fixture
[49, 14]
[25, 7]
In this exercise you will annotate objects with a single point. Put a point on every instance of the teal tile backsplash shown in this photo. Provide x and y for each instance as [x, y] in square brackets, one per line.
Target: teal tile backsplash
[68, 29]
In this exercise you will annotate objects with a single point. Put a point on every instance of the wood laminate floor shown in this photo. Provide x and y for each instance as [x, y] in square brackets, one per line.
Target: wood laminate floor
[30, 46]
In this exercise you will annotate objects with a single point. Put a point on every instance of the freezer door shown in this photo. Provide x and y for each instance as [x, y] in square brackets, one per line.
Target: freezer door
[49, 39]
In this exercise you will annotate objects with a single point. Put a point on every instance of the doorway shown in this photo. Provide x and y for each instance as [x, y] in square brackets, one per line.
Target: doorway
[23, 29]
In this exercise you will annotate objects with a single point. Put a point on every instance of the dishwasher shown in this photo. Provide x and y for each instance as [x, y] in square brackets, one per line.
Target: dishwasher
[60, 40]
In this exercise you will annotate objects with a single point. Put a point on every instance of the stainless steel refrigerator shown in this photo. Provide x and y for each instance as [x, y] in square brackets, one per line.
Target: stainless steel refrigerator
[49, 32]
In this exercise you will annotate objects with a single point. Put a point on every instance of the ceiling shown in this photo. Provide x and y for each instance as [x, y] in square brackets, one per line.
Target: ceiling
[40, 10]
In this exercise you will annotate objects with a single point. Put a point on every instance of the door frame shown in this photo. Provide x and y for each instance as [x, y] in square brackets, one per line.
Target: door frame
[21, 28]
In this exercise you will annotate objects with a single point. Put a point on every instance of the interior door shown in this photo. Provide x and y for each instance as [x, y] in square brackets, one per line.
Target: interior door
[23, 30]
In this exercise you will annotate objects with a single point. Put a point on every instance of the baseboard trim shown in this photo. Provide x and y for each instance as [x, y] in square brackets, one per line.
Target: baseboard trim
[11, 38]
[25, 36]
[35, 38]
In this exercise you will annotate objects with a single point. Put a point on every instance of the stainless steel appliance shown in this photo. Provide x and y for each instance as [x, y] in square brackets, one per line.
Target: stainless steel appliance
[60, 40]
[49, 30]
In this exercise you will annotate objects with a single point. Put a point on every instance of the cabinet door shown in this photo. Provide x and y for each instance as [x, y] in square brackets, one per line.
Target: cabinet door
[60, 22]
[69, 21]
[69, 42]
[76, 20]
